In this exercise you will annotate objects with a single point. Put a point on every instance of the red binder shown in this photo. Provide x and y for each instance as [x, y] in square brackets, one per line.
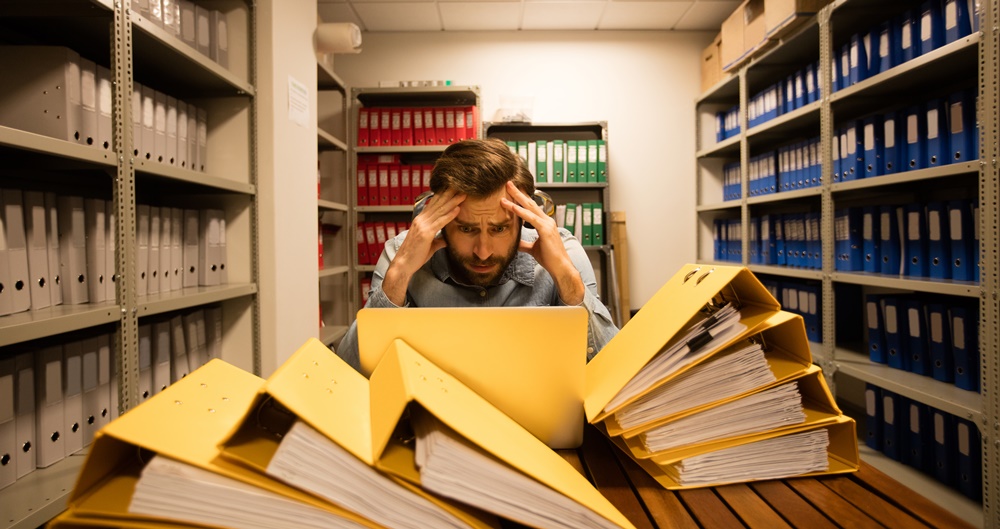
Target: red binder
[440, 131]
[371, 241]
[362, 127]
[449, 126]
[418, 126]
[374, 127]
[385, 126]
[396, 122]
[425, 181]
[366, 285]
[383, 184]
[472, 122]
[379, 239]
[429, 137]
[460, 131]
[362, 176]
[320, 232]
[390, 230]
[395, 193]
[406, 127]
[405, 187]
[373, 194]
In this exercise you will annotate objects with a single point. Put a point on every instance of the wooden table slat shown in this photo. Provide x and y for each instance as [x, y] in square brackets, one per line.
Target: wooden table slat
[609, 479]
[908, 500]
[663, 506]
[753, 510]
[845, 514]
[875, 506]
[708, 508]
[791, 506]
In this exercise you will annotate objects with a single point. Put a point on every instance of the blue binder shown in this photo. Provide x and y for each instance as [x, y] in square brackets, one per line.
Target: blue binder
[968, 442]
[816, 168]
[780, 257]
[836, 156]
[852, 160]
[874, 131]
[931, 26]
[849, 240]
[814, 243]
[809, 307]
[957, 23]
[939, 343]
[945, 453]
[975, 241]
[919, 437]
[834, 72]
[800, 88]
[845, 65]
[876, 335]
[915, 136]
[858, 58]
[960, 240]
[768, 246]
[886, 48]
[963, 130]
[938, 241]
[915, 227]
[812, 82]
[895, 332]
[720, 240]
[789, 93]
[916, 341]
[965, 346]
[892, 144]
[937, 134]
[909, 36]
[871, 240]
[889, 242]
[894, 419]
[720, 126]
[873, 416]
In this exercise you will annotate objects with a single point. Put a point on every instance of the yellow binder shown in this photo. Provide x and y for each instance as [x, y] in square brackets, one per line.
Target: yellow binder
[185, 422]
[319, 388]
[673, 308]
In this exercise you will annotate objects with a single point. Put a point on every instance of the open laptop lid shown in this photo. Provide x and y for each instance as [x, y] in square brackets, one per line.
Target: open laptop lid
[527, 361]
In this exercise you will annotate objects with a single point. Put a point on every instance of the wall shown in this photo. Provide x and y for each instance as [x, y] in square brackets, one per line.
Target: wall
[286, 188]
[643, 83]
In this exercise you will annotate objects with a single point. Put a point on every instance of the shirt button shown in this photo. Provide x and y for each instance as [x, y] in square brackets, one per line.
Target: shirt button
[482, 293]
[590, 350]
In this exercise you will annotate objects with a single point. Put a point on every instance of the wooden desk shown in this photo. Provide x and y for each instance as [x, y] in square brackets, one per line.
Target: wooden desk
[867, 498]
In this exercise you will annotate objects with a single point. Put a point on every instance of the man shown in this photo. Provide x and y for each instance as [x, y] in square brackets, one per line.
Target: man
[470, 247]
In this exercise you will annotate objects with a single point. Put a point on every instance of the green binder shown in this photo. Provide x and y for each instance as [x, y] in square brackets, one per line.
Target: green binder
[558, 172]
[598, 224]
[602, 161]
[570, 224]
[591, 160]
[541, 162]
[571, 160]
[588, 224]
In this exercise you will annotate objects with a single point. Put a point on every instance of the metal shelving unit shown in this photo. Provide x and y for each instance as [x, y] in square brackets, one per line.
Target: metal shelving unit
[974, 56]
[136, 51]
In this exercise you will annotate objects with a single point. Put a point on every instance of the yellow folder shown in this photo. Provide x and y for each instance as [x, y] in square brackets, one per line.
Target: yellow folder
[842, 453]
[817, 403]
[319, 388]
[786, 350]
[671, 310]
[185, 422]
[72, 520]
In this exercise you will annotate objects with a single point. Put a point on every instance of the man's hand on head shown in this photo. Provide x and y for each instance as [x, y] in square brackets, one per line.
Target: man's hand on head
[548, 249]
[422, 241]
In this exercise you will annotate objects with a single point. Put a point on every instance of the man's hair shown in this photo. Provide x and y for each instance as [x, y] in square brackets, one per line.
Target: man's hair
[480, 168]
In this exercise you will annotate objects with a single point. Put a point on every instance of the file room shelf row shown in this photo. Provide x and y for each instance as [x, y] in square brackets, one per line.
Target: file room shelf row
[134, 49]
[964, 62]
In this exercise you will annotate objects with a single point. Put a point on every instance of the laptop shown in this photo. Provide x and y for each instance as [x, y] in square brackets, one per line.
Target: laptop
[529, 362]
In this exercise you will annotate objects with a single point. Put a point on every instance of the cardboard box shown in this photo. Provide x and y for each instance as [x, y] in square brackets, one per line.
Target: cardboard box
[711, 64]
[754, 25]
[784, 16]
[731, 51]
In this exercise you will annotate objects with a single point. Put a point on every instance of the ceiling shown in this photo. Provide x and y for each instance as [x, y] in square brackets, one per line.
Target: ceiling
[511, 15]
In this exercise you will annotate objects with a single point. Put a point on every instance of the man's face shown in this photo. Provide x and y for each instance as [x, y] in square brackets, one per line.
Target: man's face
[482, 240]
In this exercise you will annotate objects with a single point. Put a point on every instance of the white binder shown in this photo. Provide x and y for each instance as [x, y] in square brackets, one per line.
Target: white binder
[52, 240]
[194, 161]
[156, 12]
[113, 397]
[104, 360]
[213, 332]
[105, 124]
[73, 396]
[201, 118]
[137, 149]
[88, 102]
[166, 239]
[176, 249]
[179, 365]
[161, 355]
[182, 135]
[170, 156]
[24, 414]
[94, 209]
[91, 388]
[8, 438]
[219, 38]
[203, 30]
[73, 250]
[49, 403]
[192, 236]
[188, 27]
[38, 251]
[171, 17]
[208, 248]
[110, 244]
[6, 287]
[159, 126]
[145, 361]
[148, 123]
[142, 249]
[153, 267]
[195, 339]
[223, 268]
[17, 250]
[41, 90]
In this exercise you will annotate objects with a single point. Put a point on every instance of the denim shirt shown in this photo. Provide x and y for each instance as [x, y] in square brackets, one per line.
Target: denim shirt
[523, 283]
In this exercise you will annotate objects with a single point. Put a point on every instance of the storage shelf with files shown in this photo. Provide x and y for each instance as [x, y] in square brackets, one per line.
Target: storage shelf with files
[787, 271]
[153, 172]
[385, 209]
[332, 206]
[785, 196]
[328, 142]
[780, 127]
[719, 206]
[333, 271]
[59, 153]
[726, 148]
[327, 79]
[41, 495]
[931, 286]
[944, 172]
[942, 395]
[400, 149]
[192, 297]
[727, 89]
[798, 48]
[58, 319]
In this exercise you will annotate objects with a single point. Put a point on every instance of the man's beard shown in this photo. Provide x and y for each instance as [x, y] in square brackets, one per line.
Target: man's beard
[461, 266]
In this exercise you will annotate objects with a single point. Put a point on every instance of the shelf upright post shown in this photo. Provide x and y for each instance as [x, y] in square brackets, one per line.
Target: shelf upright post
[744, 166]
[827, 228]
[255, 197]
